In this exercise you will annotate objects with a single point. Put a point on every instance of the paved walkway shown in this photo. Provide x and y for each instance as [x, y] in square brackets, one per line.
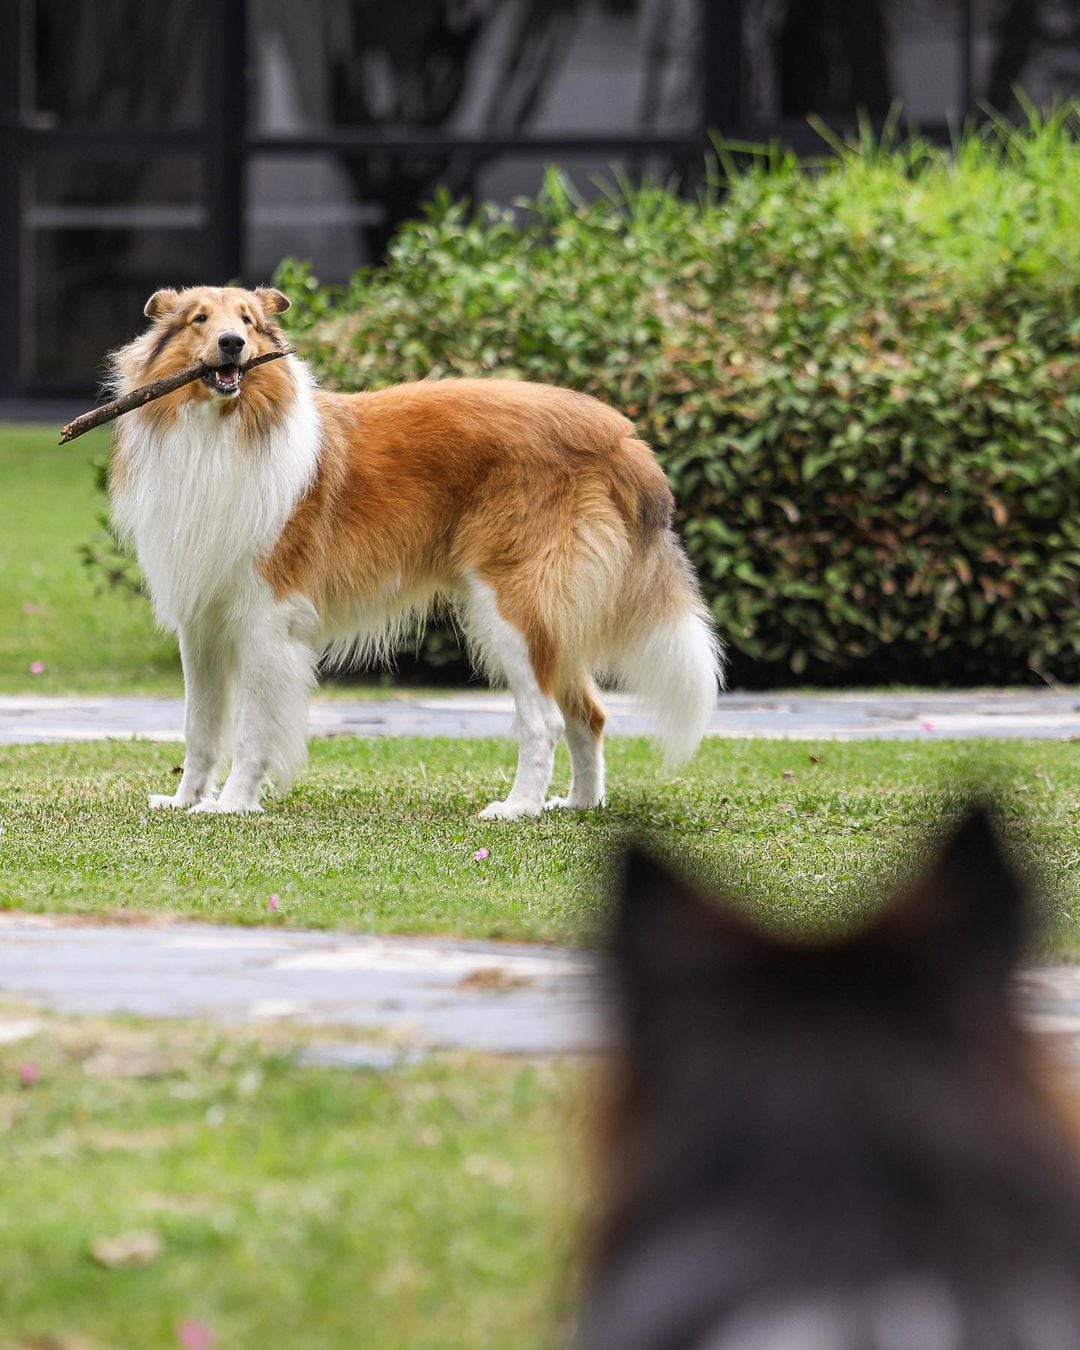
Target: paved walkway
[1048, 713]
[409, 994]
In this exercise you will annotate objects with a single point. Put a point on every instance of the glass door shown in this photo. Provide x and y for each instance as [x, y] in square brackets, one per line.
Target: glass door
[104, 159]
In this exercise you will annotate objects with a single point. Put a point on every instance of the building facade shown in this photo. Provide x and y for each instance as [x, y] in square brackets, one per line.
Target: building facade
[145, 144]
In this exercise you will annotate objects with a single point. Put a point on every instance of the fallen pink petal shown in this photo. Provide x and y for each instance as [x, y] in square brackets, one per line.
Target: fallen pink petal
[29, 607]
[194, 1335]
[273, 903]
[37, 667]
[927, 726]
[480, 855]
[28, 1073]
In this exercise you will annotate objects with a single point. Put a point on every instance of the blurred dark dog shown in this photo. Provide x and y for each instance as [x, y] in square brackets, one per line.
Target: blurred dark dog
[839, 1145]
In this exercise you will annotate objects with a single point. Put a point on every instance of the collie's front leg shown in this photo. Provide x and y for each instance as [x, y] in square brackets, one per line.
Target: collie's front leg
[274, 674]
[208, 659]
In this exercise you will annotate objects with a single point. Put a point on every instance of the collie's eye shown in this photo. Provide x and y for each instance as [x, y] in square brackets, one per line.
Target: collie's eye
[247, 318]
[200, 318]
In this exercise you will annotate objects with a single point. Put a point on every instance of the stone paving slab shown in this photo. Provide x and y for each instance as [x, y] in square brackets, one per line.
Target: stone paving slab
[1052, 714]
[422, 993]
[429, 993]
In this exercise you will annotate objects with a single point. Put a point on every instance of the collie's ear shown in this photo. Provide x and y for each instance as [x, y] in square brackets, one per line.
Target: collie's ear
[272, 301]
[160, 303]
[971, 911]
[664, 932]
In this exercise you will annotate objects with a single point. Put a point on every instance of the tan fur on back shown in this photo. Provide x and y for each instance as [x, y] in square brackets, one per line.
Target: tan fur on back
[543, 493]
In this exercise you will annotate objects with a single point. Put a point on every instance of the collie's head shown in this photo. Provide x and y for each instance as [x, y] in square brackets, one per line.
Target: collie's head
[220, 326]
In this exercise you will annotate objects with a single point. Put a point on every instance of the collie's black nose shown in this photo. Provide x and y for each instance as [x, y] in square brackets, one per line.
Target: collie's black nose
[231, 345]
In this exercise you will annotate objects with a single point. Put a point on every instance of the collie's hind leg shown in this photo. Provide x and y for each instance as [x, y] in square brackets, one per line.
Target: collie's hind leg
[208, 659]
[585, 720]
[538, 721]
[539, 724]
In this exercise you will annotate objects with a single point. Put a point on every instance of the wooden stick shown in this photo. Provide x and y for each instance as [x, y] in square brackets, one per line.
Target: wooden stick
[156, 389]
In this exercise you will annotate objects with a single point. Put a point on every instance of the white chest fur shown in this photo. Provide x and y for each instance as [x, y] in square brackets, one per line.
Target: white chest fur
[202, 508]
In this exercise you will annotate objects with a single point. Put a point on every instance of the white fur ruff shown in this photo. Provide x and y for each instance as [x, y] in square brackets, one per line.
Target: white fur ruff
[201, 510]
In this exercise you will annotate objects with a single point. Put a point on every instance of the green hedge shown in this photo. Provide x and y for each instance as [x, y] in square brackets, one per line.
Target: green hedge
[862, 377]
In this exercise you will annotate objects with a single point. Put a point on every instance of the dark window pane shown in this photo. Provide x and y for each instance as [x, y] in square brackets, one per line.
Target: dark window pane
[833, 59]
[338, 211]
[509, 177]
[88, 288]
[124, 64]
[68, 190]
[101, 234]
[493, 65]
[1033, 44]
[323, 208]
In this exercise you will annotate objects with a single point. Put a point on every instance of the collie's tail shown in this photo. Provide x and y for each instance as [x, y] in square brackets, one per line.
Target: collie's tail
[673, 661]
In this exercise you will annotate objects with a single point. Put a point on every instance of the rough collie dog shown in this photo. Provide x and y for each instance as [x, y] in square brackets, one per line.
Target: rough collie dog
[840, 1145]
[274, 520]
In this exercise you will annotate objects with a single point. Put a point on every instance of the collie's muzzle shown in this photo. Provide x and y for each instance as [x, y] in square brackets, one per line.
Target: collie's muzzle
[225, 379]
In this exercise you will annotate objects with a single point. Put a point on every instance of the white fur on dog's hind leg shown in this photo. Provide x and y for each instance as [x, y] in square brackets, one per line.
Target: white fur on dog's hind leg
[539, 726]
[538, 721]
[587, 769]
[275, 672]
[208, 659]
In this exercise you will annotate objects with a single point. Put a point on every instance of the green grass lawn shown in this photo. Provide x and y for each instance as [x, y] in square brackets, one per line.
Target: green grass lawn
[381, 834]
[432, 1205]
[50, 611]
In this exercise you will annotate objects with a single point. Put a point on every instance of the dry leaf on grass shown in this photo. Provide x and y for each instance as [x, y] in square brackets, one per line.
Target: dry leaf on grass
[131, 1141]
[493, 981]
[139, 1248]
[131, 1063]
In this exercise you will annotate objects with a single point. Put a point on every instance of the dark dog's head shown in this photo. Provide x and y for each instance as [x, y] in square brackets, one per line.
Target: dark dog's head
[835, 1143]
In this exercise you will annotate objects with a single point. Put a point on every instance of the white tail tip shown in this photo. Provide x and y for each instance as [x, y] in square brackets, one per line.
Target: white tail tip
[676, 671]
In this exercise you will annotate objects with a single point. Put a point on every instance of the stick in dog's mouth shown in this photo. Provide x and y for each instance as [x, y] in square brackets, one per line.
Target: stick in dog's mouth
[146, 393]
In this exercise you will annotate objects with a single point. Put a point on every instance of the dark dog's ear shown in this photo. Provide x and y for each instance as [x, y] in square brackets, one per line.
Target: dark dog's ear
[272, 301]
[664, 931]
[161, 302]
[971, 910]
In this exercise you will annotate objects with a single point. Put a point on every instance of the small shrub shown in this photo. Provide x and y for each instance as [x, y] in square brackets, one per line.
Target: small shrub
[111, 565]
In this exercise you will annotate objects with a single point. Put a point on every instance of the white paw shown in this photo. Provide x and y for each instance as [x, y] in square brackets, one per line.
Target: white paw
[571, 803]
[163, 802]
[208, 806]
[509, 811]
